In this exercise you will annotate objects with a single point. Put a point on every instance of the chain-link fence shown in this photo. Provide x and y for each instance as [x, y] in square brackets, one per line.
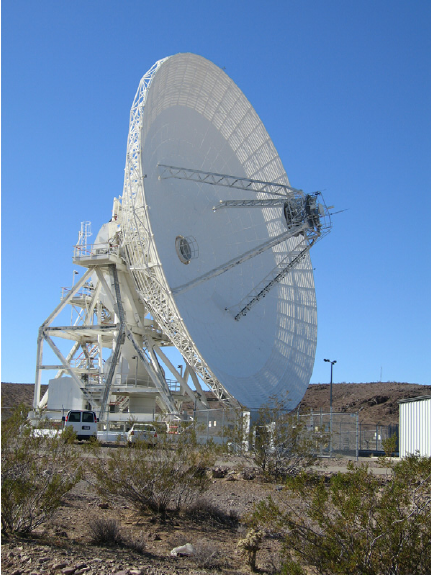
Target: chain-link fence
[218, 425]
[335, 434]
[346, 435]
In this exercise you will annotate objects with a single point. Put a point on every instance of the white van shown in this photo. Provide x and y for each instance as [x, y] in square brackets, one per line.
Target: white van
[84, 423]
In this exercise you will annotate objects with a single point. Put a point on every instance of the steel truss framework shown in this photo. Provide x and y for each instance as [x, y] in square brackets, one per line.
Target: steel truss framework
[225, 180]
[91, 333]
[138, 250]
[292, 260]
[141, 254]
[304, 216]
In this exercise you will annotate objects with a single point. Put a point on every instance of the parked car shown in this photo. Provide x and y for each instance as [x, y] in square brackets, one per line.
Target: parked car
[142, 432]
[84, 423]
[112, 432]
[179, 427]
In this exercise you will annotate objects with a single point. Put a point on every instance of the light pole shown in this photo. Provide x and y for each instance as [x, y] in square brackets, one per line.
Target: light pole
[330, 406]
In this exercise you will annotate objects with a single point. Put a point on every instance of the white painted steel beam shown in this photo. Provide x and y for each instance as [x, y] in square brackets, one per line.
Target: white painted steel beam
[225, 180]
[67, 299]
[67, 368]
[182, 380]
[269, 203]
[271, 280]
[158, 381]
[238, 260]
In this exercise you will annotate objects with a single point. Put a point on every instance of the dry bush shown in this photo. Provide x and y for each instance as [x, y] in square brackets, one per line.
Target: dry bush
[209, 555]
[178, 539]
[206, 555]
[107, 533]
[168, 477]
[36, 472]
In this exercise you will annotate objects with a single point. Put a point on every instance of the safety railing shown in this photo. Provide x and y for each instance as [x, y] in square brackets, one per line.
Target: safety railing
[94, 251]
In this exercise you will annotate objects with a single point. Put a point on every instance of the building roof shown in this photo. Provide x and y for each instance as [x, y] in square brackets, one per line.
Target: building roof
[410, 399]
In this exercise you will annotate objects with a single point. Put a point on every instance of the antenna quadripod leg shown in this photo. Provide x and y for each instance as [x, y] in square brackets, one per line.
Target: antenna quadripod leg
[301, 213]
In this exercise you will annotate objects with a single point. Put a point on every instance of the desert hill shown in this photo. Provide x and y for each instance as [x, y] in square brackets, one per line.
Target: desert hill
[377, 403]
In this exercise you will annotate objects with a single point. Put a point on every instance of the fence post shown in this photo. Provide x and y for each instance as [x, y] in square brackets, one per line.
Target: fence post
[321, 444]
[357, 435]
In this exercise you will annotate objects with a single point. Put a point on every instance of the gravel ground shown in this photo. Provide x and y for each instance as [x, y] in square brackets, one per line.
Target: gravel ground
[64, 546]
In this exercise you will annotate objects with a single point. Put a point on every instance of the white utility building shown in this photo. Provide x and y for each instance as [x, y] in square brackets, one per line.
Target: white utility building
[415, 426]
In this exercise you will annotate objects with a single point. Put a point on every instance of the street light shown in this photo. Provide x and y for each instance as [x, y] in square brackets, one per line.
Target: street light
[330, 404]
[330, 392]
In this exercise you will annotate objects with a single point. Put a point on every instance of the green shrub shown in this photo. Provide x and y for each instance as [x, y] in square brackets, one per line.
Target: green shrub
[36, 472]
[68, 435]
[277, 443]
[357, 522]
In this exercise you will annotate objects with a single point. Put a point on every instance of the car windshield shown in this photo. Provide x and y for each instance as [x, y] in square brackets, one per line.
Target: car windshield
[142, 427]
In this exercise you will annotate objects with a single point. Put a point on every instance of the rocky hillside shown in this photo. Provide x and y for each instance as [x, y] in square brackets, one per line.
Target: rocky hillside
[377, 403]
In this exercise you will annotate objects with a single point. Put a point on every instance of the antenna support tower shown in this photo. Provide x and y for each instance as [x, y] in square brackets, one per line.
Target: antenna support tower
[207, 252]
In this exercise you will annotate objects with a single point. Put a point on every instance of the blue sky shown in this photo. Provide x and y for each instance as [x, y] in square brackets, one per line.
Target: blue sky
[343, 88]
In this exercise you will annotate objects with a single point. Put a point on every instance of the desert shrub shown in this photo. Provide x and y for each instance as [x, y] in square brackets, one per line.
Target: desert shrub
[136, 544]
[357, 522]
[277, 444]
[68, 435]
[202, 511]
[36, 471]
[209, 555]
[169, 476]
[390, 445]
[107, 533]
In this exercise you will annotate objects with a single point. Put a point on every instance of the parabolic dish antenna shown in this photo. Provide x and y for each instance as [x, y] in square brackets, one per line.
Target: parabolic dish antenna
[214, 236]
